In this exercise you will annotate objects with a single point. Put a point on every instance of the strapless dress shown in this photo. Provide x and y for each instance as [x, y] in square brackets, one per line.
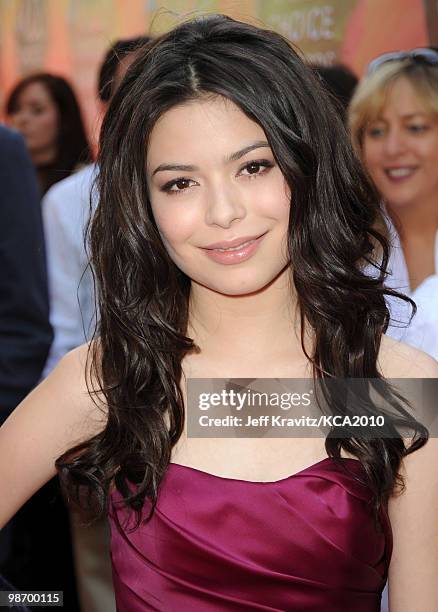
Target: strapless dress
[305, 542]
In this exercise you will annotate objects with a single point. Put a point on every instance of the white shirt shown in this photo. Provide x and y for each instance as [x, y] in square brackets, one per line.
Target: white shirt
[66, 210]
[423, 330]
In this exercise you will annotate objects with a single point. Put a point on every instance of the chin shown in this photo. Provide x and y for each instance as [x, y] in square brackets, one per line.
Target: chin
[399, 203]
[248, 285]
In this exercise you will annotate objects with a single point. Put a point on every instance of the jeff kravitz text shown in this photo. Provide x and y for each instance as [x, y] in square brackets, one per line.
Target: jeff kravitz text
[301, 421]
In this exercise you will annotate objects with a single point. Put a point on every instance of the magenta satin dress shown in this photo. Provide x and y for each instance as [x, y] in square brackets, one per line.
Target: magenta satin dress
[306, 542]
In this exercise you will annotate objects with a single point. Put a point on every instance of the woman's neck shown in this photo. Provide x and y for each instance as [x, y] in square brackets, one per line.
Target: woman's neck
[416, 220]
[249, 327]
[417, 227]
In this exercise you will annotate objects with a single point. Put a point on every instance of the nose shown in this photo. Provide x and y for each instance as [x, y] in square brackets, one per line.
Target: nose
[224, 206]
[394, 143]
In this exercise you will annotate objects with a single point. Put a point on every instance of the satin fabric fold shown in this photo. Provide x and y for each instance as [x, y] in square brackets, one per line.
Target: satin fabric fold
[306, 542]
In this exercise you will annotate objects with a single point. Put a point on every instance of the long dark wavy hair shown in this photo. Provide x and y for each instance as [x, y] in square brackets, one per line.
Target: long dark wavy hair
[72, 143]
[143, 297]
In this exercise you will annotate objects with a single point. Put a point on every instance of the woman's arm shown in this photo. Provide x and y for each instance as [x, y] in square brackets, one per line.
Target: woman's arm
[413, 571]
[58, 414]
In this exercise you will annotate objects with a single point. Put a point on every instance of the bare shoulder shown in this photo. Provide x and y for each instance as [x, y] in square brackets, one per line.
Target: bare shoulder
[66, 397]
[59, 414]
[399, 360]
[73, 376]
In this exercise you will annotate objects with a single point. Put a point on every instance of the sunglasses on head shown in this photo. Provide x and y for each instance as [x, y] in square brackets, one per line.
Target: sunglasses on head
[426, 55]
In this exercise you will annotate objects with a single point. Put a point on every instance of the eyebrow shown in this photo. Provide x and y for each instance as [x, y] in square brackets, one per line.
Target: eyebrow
[233, 157]
[417, 114]
[406, 116]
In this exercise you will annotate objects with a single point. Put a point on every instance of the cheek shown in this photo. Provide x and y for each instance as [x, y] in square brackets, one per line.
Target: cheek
[270, 196]
[48, 122]
[14, 120]
[176, 225]
[431, 153]
[371, 155]
[276, 203]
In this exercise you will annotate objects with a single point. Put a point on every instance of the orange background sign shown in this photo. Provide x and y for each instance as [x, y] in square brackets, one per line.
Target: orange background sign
[69, 37]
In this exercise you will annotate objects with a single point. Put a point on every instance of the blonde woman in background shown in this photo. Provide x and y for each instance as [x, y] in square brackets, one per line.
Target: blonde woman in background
[393, 119]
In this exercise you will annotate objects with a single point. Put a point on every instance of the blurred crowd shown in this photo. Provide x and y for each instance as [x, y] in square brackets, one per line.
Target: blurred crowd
[47, 304]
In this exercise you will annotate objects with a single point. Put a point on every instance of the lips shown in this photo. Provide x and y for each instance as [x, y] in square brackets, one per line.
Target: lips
[236, 248]
[235, 243]
[234, 251]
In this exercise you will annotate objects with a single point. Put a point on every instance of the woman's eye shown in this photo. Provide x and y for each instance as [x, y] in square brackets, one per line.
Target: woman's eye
[417, 128]
[178, 185]
[255, 168]
[375, 132]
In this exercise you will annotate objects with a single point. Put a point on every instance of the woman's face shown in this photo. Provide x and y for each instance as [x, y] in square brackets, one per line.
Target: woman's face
[218, 197]
[400, 149]
[37, 118]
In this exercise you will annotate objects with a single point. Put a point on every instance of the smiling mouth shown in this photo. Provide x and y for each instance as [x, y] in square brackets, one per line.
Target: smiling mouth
[400, 173]
[236, 248]
[236, 244]
[240, 249]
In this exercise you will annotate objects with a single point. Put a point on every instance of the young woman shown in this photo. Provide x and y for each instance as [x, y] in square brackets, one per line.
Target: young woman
[43, 107]
[394, 124]
[229, 241]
